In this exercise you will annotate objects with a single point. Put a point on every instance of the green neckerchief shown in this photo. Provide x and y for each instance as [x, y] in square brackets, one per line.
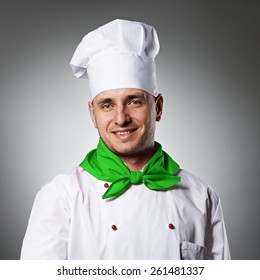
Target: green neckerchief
[158, 174]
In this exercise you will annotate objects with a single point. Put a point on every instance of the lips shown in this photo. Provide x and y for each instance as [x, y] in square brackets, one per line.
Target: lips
[124, 132]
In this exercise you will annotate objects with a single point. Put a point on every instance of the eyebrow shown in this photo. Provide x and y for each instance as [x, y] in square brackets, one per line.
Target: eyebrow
[105, 100]
[133, 96]
[127, 98]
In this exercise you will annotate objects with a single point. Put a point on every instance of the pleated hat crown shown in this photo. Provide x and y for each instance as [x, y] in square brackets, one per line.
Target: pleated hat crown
[119, 54]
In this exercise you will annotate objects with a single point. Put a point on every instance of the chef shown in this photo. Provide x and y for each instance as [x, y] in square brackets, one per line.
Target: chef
[128, 199]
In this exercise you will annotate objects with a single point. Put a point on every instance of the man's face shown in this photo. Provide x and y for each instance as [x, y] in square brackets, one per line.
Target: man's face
[125, 119]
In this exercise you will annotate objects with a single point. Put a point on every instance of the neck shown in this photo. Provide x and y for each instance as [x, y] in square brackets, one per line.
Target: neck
[137, 162]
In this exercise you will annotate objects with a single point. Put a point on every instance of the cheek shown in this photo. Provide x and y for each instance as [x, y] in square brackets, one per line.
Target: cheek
[102, 121]
[146, 117]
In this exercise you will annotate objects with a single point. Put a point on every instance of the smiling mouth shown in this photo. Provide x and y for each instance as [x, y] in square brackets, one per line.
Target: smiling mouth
[124, 132]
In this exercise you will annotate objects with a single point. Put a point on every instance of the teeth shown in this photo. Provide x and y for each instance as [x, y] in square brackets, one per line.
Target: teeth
[123, 132]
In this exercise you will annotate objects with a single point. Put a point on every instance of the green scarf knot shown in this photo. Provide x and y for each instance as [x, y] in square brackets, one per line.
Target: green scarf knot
[158, 174]
[136, 177]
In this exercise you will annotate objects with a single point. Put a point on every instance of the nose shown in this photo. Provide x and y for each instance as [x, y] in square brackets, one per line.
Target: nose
[122, 116]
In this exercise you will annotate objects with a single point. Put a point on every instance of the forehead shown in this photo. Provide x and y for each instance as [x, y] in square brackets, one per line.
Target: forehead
[121, 94]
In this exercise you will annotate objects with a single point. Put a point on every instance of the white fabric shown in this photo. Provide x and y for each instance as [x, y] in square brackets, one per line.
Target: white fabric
[119, 54]
[70, 220]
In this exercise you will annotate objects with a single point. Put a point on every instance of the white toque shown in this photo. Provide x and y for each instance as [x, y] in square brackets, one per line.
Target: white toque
[119, 54]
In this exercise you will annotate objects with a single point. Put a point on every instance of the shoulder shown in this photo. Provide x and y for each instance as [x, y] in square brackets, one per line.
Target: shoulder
[196, 190]
[194, 183]
[66, 186]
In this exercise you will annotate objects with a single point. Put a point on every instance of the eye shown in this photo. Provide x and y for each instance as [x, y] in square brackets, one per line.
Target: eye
[106, 106]
[135, 102]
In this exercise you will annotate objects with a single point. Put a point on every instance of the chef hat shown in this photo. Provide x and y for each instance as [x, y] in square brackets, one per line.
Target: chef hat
[119, 54]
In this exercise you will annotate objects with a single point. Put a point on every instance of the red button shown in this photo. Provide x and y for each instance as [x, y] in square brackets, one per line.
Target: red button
[106, 185]
[171, 226]
[114, 227]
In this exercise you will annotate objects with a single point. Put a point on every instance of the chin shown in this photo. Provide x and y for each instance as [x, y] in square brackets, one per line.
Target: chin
[122, 149]
[127, 148]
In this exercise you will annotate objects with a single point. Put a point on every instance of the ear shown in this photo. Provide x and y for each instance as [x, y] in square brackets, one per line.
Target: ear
[159, 107]
[92, 114]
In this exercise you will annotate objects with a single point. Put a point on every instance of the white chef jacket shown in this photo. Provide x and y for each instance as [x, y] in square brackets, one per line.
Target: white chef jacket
[70, 220]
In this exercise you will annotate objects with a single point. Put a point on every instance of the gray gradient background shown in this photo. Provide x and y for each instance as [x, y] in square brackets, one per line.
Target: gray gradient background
[208, 70]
